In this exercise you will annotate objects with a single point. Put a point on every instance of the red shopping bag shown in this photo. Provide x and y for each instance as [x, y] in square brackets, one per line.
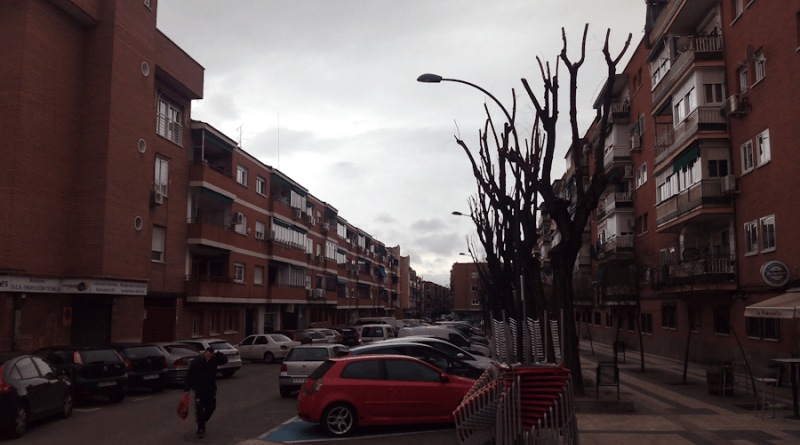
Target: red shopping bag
[183, 407]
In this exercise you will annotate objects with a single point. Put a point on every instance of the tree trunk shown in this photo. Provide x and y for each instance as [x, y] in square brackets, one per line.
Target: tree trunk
[563, 286]
[686, 355]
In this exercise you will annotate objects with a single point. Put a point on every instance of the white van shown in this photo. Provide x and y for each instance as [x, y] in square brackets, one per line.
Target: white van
[371, 333]
[391, 321]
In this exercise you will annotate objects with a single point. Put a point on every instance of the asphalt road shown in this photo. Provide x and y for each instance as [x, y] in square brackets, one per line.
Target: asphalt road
[248, 405]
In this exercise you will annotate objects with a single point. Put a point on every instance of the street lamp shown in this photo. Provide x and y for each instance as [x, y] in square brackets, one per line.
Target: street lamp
[435, 78]
[456, 213]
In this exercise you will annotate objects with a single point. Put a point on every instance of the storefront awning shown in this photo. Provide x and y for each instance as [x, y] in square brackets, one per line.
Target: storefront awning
[782, 306]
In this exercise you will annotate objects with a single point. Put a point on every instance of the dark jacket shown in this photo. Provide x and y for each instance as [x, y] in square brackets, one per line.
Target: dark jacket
[202, 373]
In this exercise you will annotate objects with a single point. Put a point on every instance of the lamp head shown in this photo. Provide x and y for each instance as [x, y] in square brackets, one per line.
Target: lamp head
[429, 78]
[458, 214]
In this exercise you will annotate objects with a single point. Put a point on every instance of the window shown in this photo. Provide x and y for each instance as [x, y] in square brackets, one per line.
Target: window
[763, 328]
[410, 371]
[718, 168]
[241, 175]
[341, 229]
[743, 85]
[258, 275]
[238, 272]
[27, 369]
[631, 323]
[261, 185]
[738, 7]
[45, 369]
[760, 65]
[597, 318]
[747, 156]
[159, 235]
[750, 237]
[474, 275]
[361, 370]
[647, 324]
[762, 148]
[669, 316]
[161, 180]
[694, 318]
[609, 320]
[196, 325]
[475, 302]
[242, 227]
[169, 121]
[261, 228]
[768, 233]
[641, 175]
[714, 93]
[231, 322]
[330, 250]
[290, 235]
[722, 320]
[753, 327]
[213, 326]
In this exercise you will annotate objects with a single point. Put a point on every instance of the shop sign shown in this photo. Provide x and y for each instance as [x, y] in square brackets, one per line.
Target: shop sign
[10, 283]
[775, 273]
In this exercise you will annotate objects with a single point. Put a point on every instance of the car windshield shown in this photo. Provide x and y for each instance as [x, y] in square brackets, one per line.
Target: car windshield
[372, 331]
[279, 337]
[316, 335]
[99, 355]
[301, 334]
[220, 345]
[179, 350]
[307, 355]
[138, 352]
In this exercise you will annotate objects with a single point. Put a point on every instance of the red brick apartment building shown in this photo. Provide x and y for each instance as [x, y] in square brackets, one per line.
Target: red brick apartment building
[121, 219]
[698, 222]
[465, 286]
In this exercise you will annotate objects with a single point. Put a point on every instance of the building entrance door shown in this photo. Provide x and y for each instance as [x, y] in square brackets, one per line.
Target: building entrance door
[91, 320]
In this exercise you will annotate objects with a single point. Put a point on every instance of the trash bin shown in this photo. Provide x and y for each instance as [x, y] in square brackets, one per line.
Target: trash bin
[719, 378]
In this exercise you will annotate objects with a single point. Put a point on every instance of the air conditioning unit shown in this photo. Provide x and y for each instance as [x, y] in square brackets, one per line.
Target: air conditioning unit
[326, 227]
[297, 214]
[237, 218]
[734, 105]
[320, 258]
[728, 184]
[319, 294]
[156, 198]
[636, 141]
[310, 219]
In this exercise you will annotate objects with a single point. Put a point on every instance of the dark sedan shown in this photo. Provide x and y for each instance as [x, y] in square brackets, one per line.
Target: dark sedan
[146, 366]
[31, 388]
[91, 370]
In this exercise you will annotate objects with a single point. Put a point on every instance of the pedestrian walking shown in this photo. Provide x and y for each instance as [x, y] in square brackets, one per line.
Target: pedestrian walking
[202, 378]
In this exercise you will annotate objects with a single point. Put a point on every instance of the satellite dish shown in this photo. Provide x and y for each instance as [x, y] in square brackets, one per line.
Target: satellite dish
[683, 44]
[750, 54]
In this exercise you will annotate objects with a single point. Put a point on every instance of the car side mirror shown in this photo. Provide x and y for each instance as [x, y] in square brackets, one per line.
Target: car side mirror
[444, 378]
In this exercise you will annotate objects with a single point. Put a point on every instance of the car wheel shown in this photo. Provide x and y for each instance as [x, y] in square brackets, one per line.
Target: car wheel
[269, 357]
[339, 419]
[66, 408]
[228, 372]
[285, 392]
[117, 397]
[19, 422]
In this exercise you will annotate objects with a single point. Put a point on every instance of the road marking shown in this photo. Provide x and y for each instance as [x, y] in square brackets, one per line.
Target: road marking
[278, 427]
[86, 410]
[139, 400]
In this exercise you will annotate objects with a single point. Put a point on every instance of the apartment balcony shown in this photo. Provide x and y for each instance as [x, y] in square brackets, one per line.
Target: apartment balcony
[678, 17]
[207, 173]
[212, 232]
[702, 202]
[612, 202]
[616, 156]
[700, 120]
[697, 274]
[209, 285]
[701, 49]
[617, 247]
[620, 112]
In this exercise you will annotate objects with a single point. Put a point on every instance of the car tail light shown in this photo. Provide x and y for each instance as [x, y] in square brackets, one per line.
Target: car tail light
[313, 389]
[4, 387]
[128, 365]
[284, 368]
[76, 358]
[180, 362]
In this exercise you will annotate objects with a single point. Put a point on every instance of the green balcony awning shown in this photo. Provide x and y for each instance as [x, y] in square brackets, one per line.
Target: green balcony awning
[382, 271]
[298, 229]
[686, 159]
[217, 141]
[281, 223]
[277, 178]
[343, 252]
[299, 191]
[217, 195]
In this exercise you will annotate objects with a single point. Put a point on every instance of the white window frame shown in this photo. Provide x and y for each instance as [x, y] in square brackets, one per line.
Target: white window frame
[765, 223]
[241, 229]
[759, 67]
[231, 322]
[330, 250]
[743, 80]
[476, 302]
[241, 175]
[169, 121]
[213, 324]
[261, 186]
[161, 177]
[738, 8]
[196, 329]
[717, 93]
[238, 272]
[762, 148]
[641, 175]
[258, 275]
[261, 229]
[750, 244]
[748, 159]
[159, 242]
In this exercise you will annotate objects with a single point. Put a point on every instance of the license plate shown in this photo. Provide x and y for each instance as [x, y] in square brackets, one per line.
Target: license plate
[298, 380]
[106, 383]
[150, 376]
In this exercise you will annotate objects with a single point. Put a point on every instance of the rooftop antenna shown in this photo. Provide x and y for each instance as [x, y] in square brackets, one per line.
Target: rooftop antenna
[279, 141]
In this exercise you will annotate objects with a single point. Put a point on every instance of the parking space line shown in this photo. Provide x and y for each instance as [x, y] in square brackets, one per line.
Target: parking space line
[140, 399]
[85, 410]
[278, 427]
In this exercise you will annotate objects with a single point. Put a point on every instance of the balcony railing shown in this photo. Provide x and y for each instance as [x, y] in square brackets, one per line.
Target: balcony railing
[170, 129]
[705, 191]
[660, 25]
[616, 243]
[616, 153]
[694, 122]
[717, 269]
[702, 48]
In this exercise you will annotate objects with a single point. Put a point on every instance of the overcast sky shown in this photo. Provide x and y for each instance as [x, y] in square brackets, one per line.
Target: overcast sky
[326, 91]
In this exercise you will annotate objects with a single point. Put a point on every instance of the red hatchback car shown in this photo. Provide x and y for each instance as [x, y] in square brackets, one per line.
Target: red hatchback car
[378, 390]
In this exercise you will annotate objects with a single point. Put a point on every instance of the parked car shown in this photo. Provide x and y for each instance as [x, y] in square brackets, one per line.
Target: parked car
[267, 347]
[350, 336]
[445, 333]
[145, 364]
[178, 357]
[330, 334]
[449, 349]
[301, 336]
[302, 361]
[371, 333]
[343, 393]
[318, 338]
[91, 370]
[234, 360]
[432, 356]
[31, 388]
[473, 334]
[391, 321]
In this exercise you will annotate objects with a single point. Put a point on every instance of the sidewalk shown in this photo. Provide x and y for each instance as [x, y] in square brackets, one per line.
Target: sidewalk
[667, 412]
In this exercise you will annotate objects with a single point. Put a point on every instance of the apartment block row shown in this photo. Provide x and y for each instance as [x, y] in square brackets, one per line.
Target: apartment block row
[697, 224]
[123, 219]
